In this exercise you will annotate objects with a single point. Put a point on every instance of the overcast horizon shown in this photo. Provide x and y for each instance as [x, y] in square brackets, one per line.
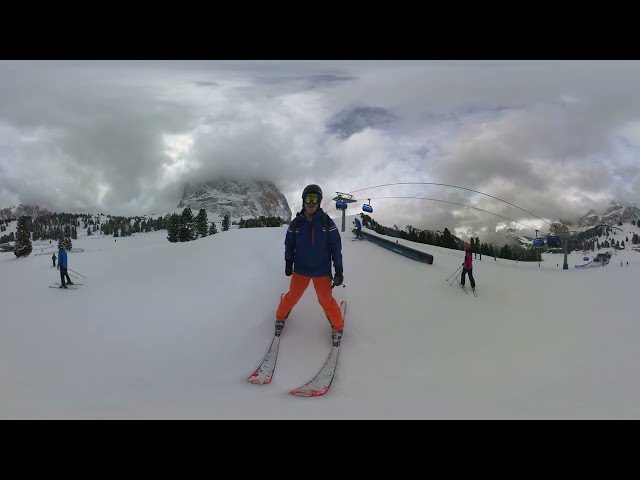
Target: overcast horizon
[556, 138]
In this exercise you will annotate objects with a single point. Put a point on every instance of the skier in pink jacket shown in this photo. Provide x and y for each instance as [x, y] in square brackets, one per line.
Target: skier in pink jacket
[467, 266]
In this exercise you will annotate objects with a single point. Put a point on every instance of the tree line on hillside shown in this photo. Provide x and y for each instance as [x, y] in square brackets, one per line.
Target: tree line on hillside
[583, 240]
[182, 227]
[588, 240]
[185, 227]
[56, 225]
[447, 240]
[261, 221]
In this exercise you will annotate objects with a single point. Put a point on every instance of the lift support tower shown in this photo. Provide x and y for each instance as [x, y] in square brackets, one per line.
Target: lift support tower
[342, 200]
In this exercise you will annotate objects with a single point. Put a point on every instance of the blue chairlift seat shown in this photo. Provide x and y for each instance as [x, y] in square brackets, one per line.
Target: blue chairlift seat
[553, 241]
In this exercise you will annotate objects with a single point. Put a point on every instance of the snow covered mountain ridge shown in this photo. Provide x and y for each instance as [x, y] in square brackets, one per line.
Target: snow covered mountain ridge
[238, 199]
[614, 214]
[34, 211]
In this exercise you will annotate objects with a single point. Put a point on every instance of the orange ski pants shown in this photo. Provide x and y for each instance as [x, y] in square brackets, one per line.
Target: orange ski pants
[322, 285]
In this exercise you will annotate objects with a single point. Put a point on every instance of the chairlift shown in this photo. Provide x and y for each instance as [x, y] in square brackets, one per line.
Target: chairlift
[553, 241]
[340, 205]
[538, 242]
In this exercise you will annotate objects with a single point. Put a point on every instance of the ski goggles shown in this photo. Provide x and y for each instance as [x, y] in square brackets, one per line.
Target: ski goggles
[312, 199]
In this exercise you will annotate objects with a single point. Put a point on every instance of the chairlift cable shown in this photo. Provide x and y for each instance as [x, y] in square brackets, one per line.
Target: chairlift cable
[452, 186]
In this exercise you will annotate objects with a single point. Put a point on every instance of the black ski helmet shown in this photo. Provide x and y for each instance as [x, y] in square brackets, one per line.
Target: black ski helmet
[312, 189]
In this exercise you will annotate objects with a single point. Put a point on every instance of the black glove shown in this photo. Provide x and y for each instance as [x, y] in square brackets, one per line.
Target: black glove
[288, 268]
[338, 278]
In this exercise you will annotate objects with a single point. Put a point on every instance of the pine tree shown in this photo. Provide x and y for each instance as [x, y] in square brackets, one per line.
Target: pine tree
[186, 230]
[448, 240]
[225, 222]
[23, 241]
[173, 228]
[505, 252]
[212, 229]
[201, 223]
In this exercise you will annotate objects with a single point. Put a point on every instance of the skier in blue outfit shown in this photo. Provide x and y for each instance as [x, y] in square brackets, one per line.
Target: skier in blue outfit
[358, 228]
[312, 243]
[62, 263]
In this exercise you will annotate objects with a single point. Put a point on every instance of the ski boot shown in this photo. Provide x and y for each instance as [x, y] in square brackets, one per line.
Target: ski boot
[336, 336]
[279, 327]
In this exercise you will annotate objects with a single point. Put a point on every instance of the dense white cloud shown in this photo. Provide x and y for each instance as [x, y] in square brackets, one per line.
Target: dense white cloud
[555, 138]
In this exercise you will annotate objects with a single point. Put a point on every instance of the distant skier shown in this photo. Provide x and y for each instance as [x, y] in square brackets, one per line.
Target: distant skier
[53, 257]
[467, 266]
[62, 263]
[311, 242]
[358, 228]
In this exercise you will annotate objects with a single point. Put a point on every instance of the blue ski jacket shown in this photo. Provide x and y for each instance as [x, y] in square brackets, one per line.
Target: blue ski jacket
[311, 246]
[62, 259]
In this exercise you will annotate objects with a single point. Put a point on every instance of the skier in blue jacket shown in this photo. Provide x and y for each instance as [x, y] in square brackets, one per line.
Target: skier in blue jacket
[311, 244]
[358, 228]
[62, 263]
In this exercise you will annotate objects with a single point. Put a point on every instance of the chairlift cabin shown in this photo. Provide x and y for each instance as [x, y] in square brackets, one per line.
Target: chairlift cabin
[367, 208]
[553, 241]
[538, 242]
[341, 205]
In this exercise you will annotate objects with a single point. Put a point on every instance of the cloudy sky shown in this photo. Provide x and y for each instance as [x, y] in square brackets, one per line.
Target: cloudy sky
[555, 138]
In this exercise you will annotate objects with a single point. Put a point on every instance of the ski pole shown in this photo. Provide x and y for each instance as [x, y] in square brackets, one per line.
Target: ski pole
[454, 279]
[76, 273]
[457, 270]
[449, 278]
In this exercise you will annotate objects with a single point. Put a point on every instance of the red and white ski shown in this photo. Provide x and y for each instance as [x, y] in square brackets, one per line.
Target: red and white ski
[320, 384]
[264, 373]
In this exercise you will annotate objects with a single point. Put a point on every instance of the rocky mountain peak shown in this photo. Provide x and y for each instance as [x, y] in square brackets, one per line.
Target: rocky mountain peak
[33, 211]
[239, 199]
[612, 215]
